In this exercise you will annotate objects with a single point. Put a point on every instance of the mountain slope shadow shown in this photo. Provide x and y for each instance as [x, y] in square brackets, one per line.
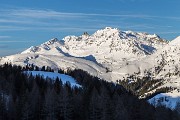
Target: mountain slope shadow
[89, 57]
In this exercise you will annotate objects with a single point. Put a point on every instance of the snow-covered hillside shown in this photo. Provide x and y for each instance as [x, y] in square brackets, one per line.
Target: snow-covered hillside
[55, 61]
[167, 99]
[110, 54]
[167, 66]
[64, 78]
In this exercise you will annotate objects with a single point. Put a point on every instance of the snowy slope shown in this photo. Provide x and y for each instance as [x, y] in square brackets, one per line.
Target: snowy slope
[176, 41]
[55, 62]
[167, 99]
[64, 78]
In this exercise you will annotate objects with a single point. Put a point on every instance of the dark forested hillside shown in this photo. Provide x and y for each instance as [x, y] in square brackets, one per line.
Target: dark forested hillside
[27, 97]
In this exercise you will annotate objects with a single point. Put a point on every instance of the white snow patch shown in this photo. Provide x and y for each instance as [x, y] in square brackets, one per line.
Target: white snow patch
[64, 78]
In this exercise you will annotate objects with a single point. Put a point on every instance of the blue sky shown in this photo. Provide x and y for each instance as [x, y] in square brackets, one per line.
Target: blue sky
[25, 23]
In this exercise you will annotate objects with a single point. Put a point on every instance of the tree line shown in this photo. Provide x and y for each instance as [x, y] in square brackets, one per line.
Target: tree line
[27, 97]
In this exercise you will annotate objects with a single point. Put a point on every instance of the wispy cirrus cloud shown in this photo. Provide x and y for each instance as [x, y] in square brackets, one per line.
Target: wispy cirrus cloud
[3, 37]
[34, 13]
[12, 28]
[13, 41]
[44, 14]
[49, 20]
[170, 32]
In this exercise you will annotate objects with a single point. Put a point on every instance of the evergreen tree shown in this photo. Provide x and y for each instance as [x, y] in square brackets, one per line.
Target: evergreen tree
[94, 105]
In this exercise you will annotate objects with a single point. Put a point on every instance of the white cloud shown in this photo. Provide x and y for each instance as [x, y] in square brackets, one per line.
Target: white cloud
[3, 37]
[15, 41]
[33, 19]
[171, 32]
[12, 28]
[50, 14]
[34, 13]
[14, 15]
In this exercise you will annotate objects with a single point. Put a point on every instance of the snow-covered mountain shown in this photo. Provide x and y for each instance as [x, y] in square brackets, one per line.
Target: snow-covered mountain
[110, 54]
[103, 44]
[107, 50]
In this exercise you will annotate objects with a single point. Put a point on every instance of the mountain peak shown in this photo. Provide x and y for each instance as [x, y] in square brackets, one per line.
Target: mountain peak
[111, 39]
[107, 31]
[51, 41]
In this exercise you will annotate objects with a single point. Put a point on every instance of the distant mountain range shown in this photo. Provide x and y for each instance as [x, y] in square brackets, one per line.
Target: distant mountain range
[112, 54]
